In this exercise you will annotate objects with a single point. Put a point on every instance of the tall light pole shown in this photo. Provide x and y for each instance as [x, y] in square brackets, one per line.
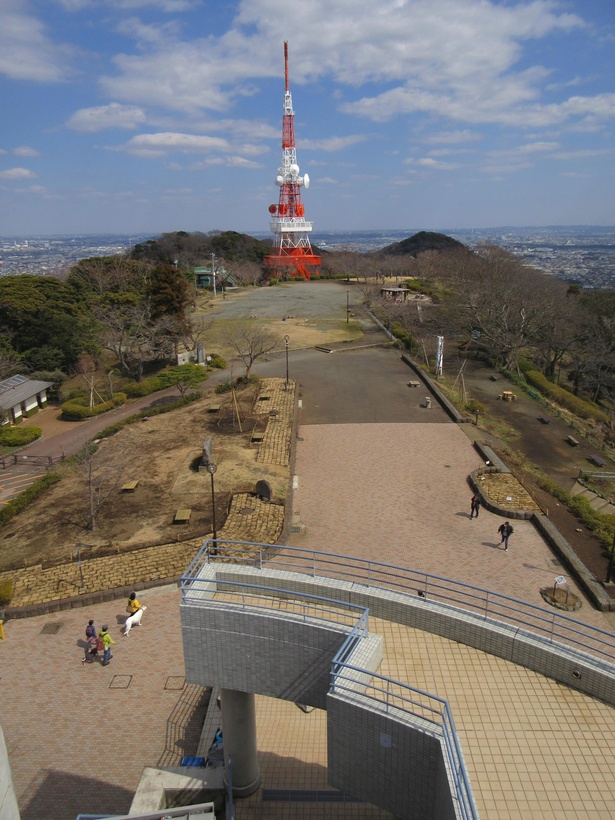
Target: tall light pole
[211, 469]
[213, 271]
[347, 308]
[286, 341]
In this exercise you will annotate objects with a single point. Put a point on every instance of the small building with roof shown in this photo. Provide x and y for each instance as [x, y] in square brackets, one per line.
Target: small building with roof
[21, 397]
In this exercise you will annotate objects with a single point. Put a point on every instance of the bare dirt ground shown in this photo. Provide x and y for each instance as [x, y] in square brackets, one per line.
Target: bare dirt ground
[162, 454]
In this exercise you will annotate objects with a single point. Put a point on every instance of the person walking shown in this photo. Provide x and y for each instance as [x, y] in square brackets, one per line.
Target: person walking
[474, 507]
[505, 531]
[107, 640]
[135, 611]
[91, 649]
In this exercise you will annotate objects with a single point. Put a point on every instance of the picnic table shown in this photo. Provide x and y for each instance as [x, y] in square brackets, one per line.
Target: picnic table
[182, 516]
[129, 486]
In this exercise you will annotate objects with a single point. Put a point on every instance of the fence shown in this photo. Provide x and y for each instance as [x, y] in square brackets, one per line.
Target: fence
[35, 461]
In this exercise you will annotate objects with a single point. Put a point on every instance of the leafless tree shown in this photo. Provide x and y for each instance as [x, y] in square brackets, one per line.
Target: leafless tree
[252, 341]
[101, 477]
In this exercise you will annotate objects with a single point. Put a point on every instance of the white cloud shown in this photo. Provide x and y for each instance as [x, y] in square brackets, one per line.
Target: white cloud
[157, 145]
[171, 6]
[113, 115]
[25, 151]
[453, 137]
[332, 143]
[436, 165]
[17, 173]
[26, 50]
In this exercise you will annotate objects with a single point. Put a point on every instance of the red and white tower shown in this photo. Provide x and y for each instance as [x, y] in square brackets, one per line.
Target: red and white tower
[292, 253]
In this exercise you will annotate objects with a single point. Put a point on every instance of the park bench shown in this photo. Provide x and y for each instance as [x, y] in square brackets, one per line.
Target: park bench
[544, 419]
[572, 441]
[182, 516]
[129, 486]
[414, 384]
[264, 397]
[598, 461]
[258, 437]
[493, 378]
[215, 408]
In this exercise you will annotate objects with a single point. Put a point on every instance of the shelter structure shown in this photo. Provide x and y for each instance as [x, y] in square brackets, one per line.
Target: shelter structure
[21, 397]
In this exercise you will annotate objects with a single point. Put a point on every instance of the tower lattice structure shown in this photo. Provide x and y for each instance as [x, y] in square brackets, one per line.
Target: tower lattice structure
[292, 253]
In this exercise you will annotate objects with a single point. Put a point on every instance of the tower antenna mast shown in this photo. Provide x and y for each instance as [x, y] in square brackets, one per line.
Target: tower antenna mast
[292, 253]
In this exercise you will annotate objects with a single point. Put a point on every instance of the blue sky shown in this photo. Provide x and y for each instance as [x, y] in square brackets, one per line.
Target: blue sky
[144, 116]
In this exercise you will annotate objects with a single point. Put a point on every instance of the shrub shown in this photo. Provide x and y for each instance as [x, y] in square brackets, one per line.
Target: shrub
[216, 361]
[580, 407]
[6, 591]
[17, 438]
[224, 387]
[142, 388]
[74, 411]
[474, 406]
[30, 494]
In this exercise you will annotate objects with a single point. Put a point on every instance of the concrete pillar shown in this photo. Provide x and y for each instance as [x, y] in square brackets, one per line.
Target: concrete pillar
[239, 730]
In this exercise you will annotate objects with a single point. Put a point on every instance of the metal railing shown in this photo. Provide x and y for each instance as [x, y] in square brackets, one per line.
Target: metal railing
[551, 626]
[399, 697]
[245, 596]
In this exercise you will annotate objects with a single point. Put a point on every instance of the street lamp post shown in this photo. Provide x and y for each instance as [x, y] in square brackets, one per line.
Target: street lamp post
[211, 469]
[213, 272]
[347, 308]
[286, 341]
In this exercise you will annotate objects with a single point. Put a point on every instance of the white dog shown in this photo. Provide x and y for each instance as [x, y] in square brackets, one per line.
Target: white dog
[134, 620]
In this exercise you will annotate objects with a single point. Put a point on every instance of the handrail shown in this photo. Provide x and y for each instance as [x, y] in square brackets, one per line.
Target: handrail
[393, 694]
[552, 626]
[315, 606]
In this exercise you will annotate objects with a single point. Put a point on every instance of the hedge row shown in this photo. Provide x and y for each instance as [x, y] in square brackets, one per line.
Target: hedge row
[142, 388]
[76, 412]
[602, 525]
[30, 494]
[12, 437]
[112, 429]
[581, 408]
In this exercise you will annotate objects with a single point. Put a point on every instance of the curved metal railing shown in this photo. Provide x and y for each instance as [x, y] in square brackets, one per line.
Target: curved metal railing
[550, 625]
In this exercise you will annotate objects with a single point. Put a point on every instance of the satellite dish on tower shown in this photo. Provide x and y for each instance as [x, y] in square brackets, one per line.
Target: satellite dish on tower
[306, 181]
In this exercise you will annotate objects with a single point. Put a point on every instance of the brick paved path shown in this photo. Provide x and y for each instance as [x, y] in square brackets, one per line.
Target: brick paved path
[398, 493]
[78, 737]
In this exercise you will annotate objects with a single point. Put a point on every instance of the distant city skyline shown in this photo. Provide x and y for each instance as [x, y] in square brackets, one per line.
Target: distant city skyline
[150, 116]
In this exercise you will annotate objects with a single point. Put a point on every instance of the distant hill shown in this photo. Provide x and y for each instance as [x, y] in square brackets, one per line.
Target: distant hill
[422, 241]
[191, 249]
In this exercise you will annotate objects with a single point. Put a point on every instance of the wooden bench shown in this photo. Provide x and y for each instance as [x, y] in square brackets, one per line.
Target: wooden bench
[264, 397]
[572, 441]
[129, 487]
[182, 516]
[493, 378]
[414, 384]
[544, 419]
[598, 461]
[258, 437]
[215, 408]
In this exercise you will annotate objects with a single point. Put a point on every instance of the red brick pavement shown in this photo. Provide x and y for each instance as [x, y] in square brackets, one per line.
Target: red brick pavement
[79, 736]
